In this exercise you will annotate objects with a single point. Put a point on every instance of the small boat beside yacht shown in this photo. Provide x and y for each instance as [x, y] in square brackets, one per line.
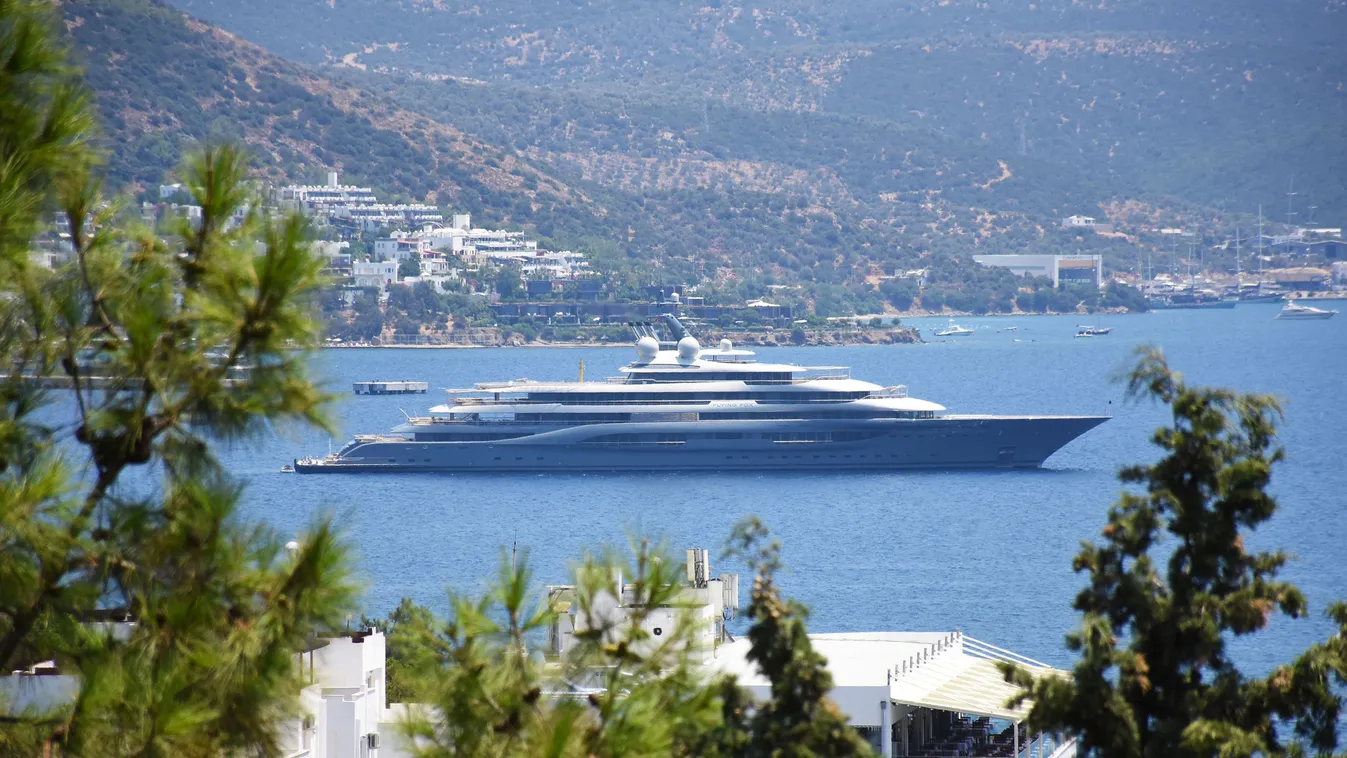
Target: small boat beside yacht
[1295, 312]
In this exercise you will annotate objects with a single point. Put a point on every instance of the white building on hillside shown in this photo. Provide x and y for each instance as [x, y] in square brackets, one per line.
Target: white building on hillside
[400, 246]
[1058, 268]
[353, 206]
[374, 274]
[560, 264]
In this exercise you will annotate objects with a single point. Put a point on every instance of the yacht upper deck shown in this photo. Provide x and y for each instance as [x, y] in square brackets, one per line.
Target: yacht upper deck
[684, 375]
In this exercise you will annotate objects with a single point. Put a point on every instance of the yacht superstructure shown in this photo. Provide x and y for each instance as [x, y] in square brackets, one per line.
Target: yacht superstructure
[679, 407]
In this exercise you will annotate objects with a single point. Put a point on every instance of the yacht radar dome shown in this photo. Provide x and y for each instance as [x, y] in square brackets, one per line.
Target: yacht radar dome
[646, 349]
[688, 348]
[726, 346]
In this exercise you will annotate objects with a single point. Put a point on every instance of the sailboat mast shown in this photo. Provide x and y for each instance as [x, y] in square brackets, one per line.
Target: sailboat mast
[1260, 247]
[1237, 271]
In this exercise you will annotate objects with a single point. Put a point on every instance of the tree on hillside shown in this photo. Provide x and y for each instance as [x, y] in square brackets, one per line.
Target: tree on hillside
[1155, 677]
[507, 281]
[121, 372]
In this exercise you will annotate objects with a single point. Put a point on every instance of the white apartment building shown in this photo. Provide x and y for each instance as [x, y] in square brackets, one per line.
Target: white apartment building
[561, 264]
[344, 707]
[374, 274]
[400, 246]
[479, 247]
[356, 206]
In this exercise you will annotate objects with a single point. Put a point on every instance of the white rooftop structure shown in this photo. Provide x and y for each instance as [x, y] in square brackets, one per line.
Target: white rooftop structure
[913, 689]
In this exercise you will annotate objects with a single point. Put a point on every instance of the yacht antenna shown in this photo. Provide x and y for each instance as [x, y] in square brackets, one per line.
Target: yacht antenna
[404, 415]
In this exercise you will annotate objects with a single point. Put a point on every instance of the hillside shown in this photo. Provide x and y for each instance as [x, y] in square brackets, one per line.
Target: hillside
[649, 207]
[163, 81]
[740, 148]
[1221, 103]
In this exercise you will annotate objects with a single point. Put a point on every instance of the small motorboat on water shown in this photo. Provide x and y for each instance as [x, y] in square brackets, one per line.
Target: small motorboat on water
[1092, 331]
[287, 469]
[1293, 312]
[953, 330]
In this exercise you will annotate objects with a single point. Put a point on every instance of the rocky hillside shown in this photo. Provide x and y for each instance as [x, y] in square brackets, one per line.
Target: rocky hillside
[163, 80]
[807, 144]
[1221, 102]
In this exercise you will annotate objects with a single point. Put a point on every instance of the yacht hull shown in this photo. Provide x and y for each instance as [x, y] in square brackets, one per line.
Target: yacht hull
[951, 442]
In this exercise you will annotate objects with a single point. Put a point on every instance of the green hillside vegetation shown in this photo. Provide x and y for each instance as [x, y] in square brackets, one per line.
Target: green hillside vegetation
[1218, 102]
[163, 82]
[659, 184]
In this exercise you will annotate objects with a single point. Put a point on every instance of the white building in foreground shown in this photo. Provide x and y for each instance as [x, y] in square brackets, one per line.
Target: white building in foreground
[344, 709]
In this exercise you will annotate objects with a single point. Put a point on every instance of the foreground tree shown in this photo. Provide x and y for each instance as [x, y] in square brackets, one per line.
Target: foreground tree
[620, 691]
[120, 373]
[1155, 678]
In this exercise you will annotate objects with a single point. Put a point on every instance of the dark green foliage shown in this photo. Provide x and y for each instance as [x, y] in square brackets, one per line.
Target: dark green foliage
[161, 350]
[645, 695]
[409, 633]
[1155, 677]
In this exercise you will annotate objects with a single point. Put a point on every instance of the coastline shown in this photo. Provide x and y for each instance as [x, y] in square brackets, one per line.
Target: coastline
[846, 332]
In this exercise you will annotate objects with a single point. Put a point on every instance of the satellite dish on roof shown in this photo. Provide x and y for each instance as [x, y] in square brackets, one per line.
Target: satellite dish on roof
[688, 348]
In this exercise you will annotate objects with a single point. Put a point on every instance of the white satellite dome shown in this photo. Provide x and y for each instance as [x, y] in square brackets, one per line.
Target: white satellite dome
[726, 346]
[689, 349]
[646, 349]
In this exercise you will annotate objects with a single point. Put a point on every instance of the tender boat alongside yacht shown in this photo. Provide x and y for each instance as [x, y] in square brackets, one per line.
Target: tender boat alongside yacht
[1294, 312]
[679, 407]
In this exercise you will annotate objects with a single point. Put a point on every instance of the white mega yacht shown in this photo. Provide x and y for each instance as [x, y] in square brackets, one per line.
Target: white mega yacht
[679, 407]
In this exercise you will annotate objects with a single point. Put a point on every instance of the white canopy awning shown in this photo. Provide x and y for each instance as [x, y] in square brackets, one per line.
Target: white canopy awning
[944, 671]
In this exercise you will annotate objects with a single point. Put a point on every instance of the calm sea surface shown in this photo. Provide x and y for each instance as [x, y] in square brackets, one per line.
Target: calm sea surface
[987, 552]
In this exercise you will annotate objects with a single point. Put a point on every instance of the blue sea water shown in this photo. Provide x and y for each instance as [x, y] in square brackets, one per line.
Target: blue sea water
[986, 552]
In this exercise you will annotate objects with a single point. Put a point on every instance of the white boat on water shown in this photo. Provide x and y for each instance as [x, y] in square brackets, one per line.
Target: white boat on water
[1291, 311]
[953, 330]
[1092, 331]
